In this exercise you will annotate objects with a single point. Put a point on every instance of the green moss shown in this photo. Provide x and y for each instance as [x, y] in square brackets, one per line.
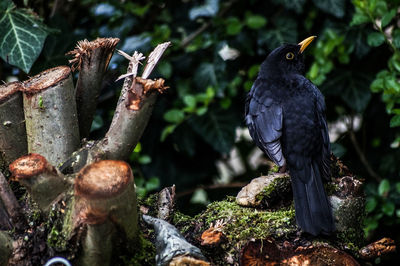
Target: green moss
[182, 221]
[351, 214]
[279, 187]
[144, 253]
[331, 188]
[244, 223]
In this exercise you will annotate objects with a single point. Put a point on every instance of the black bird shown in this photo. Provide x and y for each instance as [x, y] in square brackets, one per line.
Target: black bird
[285, 114]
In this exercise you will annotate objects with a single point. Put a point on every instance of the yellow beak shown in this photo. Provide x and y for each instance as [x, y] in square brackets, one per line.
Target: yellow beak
[304, 43]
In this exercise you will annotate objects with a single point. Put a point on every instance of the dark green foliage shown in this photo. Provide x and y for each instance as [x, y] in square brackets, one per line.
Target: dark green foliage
[193, 124]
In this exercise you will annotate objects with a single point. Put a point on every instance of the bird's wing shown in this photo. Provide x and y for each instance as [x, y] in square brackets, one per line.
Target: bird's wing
[326, 145]
[264, 120]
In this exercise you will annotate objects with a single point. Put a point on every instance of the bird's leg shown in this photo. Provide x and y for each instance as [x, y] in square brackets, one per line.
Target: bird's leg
[282, 169]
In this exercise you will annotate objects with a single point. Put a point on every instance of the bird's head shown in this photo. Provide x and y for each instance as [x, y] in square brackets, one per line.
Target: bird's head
[286, 59]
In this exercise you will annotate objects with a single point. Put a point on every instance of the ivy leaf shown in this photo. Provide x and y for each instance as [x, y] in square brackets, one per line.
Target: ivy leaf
[334, 7]
[22, 35]
[233, 26]
[285, 31]
[296, 6]
[209, 9]
[396, 38]
[216, 127]
[205, 76]
[255, 21]
[375, 39]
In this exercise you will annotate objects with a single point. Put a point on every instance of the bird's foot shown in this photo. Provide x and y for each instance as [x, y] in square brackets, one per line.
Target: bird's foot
[283, 169]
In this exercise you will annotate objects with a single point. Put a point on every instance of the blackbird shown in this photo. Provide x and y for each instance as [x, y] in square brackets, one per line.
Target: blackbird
[285, 114]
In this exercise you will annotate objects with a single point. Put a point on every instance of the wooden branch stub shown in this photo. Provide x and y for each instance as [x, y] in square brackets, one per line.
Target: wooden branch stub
[91, 59]
[105, 191]
[50, 114]
[379, 248]
[43, 181]
[84, 50]
[103, 179]
[13, 143]
[9, 89]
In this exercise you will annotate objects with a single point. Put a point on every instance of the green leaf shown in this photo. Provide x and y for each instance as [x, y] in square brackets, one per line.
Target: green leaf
[202, 110]
[398, 187]
[396, 38]
[359, 18]
[167, 131]
[395, 121]
[375, 39]
[144, 159]
[387, 18]
[384, 187]
[377, 85]
[334, 7]
[190, 101]
[22, 36]
[165, 69]
[371, 204]
[255, 21]
[152, 184]
[253, 71]
[285, 31]
[388, 208]
[216, 127]
[174, 116]
[234, 26]
[296, 6]
[205, 76]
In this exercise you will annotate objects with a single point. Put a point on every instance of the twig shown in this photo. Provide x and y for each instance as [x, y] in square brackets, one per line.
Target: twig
[185, 42]
[360, 153]
[153, 58]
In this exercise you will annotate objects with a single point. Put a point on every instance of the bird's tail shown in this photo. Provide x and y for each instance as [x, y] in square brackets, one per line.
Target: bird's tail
[313, 210]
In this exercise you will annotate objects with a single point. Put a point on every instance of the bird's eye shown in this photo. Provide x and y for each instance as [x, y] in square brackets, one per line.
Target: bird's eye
[289, 56]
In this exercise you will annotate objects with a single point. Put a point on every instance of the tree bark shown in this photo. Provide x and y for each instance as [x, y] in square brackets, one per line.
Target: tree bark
[6, 248]
[50, 114]
[13, 142]
[10, 202]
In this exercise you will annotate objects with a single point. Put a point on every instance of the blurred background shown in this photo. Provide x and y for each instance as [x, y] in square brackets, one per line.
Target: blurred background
[196, 138]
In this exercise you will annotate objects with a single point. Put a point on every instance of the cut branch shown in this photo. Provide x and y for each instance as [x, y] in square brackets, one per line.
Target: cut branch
[105, 191]
[129, 121]
[91, 59]
[12, 129]
[43, 181]
[50, 114]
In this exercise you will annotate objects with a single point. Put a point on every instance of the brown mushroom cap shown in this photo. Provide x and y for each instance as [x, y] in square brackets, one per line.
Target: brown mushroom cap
[103, 179]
